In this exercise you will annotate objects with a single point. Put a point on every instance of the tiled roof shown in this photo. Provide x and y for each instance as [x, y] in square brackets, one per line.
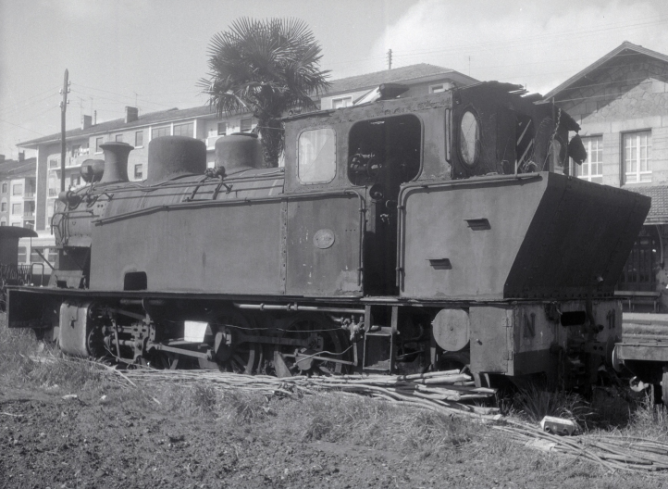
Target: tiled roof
[395, 75]
[658, 213]
[15, 169]
[170, 115]
[625, 46]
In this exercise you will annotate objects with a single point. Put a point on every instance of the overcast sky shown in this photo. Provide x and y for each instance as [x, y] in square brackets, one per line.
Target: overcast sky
[150, 53]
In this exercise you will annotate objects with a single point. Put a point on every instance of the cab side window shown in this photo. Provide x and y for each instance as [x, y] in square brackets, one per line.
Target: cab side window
[316, 156]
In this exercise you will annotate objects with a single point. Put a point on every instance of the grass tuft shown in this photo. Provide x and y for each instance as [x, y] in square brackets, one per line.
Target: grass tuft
[534, 403]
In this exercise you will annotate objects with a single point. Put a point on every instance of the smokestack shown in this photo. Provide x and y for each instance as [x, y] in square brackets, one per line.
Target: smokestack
[115, 162]
[86, 121]
[22, 155]
[131, 114]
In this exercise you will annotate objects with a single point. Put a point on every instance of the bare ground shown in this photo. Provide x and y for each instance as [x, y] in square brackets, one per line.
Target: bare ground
[185, 436]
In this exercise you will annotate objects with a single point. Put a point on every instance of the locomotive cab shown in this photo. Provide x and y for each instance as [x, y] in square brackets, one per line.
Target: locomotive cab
[378, 149]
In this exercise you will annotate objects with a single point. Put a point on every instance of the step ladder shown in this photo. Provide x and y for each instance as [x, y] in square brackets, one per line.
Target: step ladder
[379, 346]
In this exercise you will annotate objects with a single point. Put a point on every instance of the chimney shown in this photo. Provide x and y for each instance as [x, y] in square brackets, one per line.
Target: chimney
[2, 158]
[22, 155]
[131, 114]
[86, 121]
[115, 162]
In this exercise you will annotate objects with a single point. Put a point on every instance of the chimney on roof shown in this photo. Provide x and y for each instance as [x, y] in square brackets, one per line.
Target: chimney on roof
[131, 114]
[86, 121]
[22, 155]
[2, 158]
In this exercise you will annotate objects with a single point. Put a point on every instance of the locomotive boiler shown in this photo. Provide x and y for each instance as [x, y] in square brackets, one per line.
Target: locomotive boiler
[400, 236]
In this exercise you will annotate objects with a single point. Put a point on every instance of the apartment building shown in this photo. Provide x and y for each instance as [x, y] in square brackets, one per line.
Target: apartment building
[17, 208]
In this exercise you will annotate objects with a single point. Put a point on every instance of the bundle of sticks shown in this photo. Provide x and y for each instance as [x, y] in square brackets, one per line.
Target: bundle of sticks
[611, 452]
[439, 391]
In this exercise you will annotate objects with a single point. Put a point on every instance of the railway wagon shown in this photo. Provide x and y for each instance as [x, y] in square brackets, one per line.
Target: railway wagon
[403, 235]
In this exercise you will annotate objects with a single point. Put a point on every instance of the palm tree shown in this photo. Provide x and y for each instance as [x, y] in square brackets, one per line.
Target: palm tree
[265, 67]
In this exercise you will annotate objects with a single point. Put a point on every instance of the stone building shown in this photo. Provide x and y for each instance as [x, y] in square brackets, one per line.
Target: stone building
[621, 102]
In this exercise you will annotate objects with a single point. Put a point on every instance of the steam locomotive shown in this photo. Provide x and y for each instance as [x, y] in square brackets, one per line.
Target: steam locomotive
[404, 235]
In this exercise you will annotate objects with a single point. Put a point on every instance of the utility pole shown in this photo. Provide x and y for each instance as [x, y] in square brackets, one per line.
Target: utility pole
[389, 59]
[63, 113]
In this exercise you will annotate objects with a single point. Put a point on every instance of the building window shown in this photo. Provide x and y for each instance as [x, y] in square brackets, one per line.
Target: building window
[639, 272]
[34, 256]
[17, 189]
[316, 156]
[637, 148]
[592, 168]
[119, 138]
[53, 255]
[53, 192]
[98, 142]
[161, 131]
[17, 209]
[139, 139]
[54, 164]
[4, 207]
[186, 129]
[222, 128]
[441, 87]
[22, 254]
[3, 223]
[246, 124]
[4, 188]
[339, 103]
[139, 172]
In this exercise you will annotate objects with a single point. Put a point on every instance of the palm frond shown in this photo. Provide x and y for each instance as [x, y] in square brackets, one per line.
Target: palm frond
[264, 67]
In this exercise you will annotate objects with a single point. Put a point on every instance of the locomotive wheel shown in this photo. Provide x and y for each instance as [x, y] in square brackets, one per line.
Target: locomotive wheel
[242, 357]
[325, 339]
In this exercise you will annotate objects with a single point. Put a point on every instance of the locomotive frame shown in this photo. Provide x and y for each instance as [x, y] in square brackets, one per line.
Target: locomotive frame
[403, 235]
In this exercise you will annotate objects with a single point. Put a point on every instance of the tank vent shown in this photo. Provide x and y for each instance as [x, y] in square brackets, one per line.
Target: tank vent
[239, 151]
[173, 156]
[115, 162]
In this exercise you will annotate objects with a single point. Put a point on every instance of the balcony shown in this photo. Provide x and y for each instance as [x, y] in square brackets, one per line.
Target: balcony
[29, 196]
[29, 215]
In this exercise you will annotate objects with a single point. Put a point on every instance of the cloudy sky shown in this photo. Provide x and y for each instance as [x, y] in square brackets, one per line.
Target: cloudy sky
[150, 53]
